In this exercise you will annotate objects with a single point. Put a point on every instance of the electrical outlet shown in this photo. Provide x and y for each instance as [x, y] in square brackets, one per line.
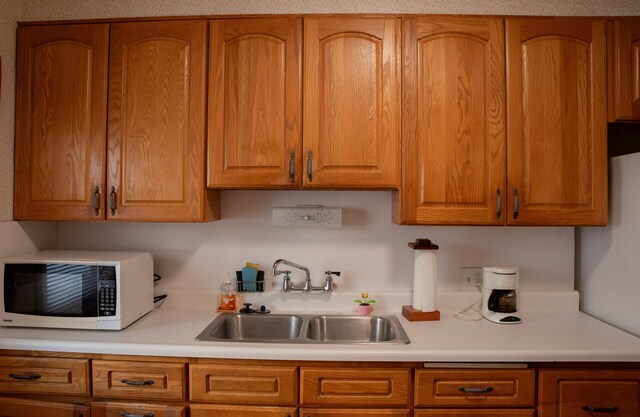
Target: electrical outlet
[470, 278]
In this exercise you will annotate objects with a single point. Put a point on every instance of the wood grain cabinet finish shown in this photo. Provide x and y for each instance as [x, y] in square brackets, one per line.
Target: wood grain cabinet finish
[202, 410]
[156, 129]
[354, 412]
[475, 388]
[14, 407]
[140, 380]
[124, 409]
[557, 121]
[365, 387]
[238, 384]
[351, 101]
[255, 103]
[475, 413]
[61, 98]
[44, 375]
[453, 134]
[588, 392]
[624, 69]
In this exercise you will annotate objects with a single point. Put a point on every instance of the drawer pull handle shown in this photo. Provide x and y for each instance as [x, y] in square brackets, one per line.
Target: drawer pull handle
[468, 390]
[137, 383]
[611, 409]
[25, 377]
[147, 414]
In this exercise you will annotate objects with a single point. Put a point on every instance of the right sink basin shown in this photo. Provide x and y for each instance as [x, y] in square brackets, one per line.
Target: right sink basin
[354, 329]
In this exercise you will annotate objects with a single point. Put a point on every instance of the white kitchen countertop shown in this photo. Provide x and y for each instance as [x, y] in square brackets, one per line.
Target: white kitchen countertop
[544, 336]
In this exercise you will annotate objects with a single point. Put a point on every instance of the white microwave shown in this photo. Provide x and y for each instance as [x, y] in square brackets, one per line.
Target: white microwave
[76, 290]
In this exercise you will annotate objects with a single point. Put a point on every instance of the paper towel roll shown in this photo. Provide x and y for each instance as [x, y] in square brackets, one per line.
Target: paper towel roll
[425, 276]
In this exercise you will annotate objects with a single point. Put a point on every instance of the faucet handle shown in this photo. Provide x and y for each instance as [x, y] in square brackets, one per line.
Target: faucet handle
[329, 273]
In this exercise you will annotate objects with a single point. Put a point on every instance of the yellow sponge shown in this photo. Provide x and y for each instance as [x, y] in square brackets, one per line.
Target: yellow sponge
[252, 265]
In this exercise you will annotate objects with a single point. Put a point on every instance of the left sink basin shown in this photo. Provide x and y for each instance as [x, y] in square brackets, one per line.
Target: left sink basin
[253, 328]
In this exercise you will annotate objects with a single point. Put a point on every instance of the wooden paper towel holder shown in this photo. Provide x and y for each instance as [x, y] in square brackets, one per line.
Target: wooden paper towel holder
[413, 314]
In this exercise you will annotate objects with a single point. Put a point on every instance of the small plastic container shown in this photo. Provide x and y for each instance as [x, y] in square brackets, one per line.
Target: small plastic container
[228, 297]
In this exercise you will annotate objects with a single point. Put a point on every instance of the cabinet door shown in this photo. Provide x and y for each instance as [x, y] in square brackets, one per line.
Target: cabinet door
[625, 69]
[202, 410]
[58, 376]
[255, 103]
[61, 100]
[557, 121]
[120, 409]
[12, 407]
[588, 393]
[453, 136]
[355, 412]
[156, 139]
[351, 110]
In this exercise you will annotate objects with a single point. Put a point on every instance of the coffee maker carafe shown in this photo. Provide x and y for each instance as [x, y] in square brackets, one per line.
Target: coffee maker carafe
[500, 294]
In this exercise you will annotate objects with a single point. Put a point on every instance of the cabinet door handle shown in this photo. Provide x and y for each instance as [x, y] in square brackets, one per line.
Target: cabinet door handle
[137, 383]
[292, 167]
[96, 201]
[499, 210]
[611, 409]
[470, 390]
[147, 414]
[112, 200]
[31, 377]
[516, 204]
[310, 166]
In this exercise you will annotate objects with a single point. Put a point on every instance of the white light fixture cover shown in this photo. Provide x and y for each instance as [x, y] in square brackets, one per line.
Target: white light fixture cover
[310, 216]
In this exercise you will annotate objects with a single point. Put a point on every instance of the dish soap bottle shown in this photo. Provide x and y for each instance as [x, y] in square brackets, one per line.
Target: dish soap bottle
[228, 297]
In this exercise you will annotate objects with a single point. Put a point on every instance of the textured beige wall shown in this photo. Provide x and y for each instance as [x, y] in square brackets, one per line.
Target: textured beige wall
[33, 10]
[74, 9]
[9, 14]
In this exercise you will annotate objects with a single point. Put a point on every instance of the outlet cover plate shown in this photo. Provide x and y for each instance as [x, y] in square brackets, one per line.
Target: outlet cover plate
[470, 278]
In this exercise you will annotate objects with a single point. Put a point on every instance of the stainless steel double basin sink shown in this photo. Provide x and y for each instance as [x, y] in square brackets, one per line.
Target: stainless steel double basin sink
[303, 328]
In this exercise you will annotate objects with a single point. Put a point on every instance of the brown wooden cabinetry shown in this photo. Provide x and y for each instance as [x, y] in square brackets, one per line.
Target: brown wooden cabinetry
[453, 134]
[61, 99]
[14, 407]
[255, 108]
[60, 376]
[353, 412]
[152, 167]
[206, 410]
[127, 409]
[624, 69]
[351, 133]
[556, 121]
[588, 392]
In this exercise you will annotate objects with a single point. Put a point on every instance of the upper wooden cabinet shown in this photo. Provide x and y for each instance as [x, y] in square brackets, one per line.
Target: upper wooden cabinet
[453, 135]
[152, 167]
[61, 99]
[351, 102]
[156, 161]
[556, 121]
[255, 107]
[624, 69]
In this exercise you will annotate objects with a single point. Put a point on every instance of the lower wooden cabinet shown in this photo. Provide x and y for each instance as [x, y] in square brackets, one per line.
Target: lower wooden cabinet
[57, 376]
[588, 393]
[207, 410]
[15, 407]
[355, 412]
[116, 409]
[475, 413]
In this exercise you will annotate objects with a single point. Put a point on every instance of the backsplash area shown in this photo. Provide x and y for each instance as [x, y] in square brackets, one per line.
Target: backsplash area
[369, 250]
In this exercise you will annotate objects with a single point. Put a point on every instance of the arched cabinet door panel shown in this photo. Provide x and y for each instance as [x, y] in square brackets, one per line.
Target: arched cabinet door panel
[351, 113]
[453, 135]
[557, 121]
[61, 112]
[255, 103]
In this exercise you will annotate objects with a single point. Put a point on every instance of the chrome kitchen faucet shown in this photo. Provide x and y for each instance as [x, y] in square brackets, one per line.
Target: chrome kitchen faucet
[287, 285]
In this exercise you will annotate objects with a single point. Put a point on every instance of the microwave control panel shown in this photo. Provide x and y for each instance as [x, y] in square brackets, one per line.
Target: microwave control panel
[107, 294]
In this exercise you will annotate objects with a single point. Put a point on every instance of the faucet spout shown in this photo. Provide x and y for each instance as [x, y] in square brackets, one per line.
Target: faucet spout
[287, 285]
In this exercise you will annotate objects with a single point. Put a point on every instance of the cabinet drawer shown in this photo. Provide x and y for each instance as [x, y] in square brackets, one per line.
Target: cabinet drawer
[113, 409]
[351, 386]
[12, 407]
[355, 412]
[577, 393]
[475, 388]
[263, 385]
[202, 410]
[44, 375]
[475, 413]
[142, 380]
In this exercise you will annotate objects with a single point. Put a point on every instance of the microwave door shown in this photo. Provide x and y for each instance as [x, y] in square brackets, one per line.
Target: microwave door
[52, 289]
